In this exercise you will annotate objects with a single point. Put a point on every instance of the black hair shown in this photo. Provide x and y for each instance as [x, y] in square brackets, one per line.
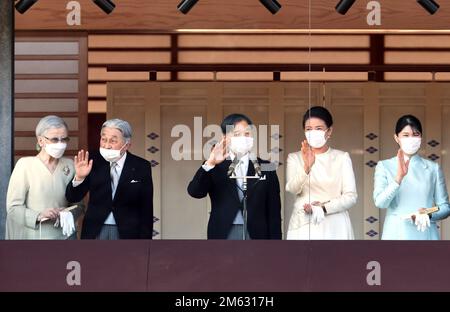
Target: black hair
[233, 119]
[318, 112]
[408, 120]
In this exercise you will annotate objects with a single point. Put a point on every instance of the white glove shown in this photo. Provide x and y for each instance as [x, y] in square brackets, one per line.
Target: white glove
[317, 214]
[67, 223]
[422, 221]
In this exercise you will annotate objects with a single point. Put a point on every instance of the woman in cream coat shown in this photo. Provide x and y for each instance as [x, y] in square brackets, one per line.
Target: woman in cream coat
[323, 182]
[36, 190]
[407, 184]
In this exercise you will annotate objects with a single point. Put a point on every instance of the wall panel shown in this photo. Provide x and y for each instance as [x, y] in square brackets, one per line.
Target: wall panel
[51, 78]
[364, 113]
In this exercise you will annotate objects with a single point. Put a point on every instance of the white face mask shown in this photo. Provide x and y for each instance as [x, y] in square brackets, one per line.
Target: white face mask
[410, 145]
[241, 145]
[111, 155]
[316, 138]
[56, 150]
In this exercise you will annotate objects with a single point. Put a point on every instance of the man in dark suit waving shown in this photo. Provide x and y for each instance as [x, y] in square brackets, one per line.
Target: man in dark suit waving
[263, 196]
[119, 184]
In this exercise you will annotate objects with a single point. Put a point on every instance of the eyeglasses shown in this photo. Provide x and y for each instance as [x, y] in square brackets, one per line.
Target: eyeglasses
[57, 140]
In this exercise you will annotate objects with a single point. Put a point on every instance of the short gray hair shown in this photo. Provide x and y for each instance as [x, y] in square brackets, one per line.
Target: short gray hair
[50, 122]
[121, 125]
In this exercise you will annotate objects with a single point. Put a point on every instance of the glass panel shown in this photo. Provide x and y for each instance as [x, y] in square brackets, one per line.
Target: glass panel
[46, 105]
[46, 48]
[29, 143]
[29, 124]
[46, 86]
[46, 67]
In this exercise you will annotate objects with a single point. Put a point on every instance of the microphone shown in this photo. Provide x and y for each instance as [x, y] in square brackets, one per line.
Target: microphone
[233, 165]
[255, 163]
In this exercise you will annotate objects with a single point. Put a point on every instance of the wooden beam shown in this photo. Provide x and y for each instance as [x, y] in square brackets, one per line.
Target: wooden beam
[278, 68]
[173, 55]
[377, 55]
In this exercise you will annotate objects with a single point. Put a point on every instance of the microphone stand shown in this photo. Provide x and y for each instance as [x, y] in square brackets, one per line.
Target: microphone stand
[244, 198]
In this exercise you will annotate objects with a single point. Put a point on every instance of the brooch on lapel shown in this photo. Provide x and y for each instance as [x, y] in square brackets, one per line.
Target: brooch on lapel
[66, 170]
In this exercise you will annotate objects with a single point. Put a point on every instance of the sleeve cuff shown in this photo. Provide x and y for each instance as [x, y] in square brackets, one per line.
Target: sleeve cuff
[393, 186]
[76, 183]
[330, 207]
[431, 217]
[31, 218]
[205, 167]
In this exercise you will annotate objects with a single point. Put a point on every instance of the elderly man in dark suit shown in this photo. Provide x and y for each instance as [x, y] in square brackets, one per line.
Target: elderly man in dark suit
[263, 196]
[119, 184]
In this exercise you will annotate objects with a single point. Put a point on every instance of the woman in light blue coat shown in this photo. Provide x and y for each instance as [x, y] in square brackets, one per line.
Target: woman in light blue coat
[408, 184]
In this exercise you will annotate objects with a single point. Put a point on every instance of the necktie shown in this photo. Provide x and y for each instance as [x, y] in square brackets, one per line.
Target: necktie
[114, 178]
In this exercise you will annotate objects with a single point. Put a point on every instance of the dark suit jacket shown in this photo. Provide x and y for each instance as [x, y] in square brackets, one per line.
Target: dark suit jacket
[132, 206]
[263, 202]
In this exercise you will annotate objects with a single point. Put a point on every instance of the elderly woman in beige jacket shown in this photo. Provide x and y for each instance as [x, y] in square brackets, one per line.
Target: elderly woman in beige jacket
[36, 193]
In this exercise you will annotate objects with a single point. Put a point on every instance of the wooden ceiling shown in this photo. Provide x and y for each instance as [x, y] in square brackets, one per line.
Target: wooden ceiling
[162, 16]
